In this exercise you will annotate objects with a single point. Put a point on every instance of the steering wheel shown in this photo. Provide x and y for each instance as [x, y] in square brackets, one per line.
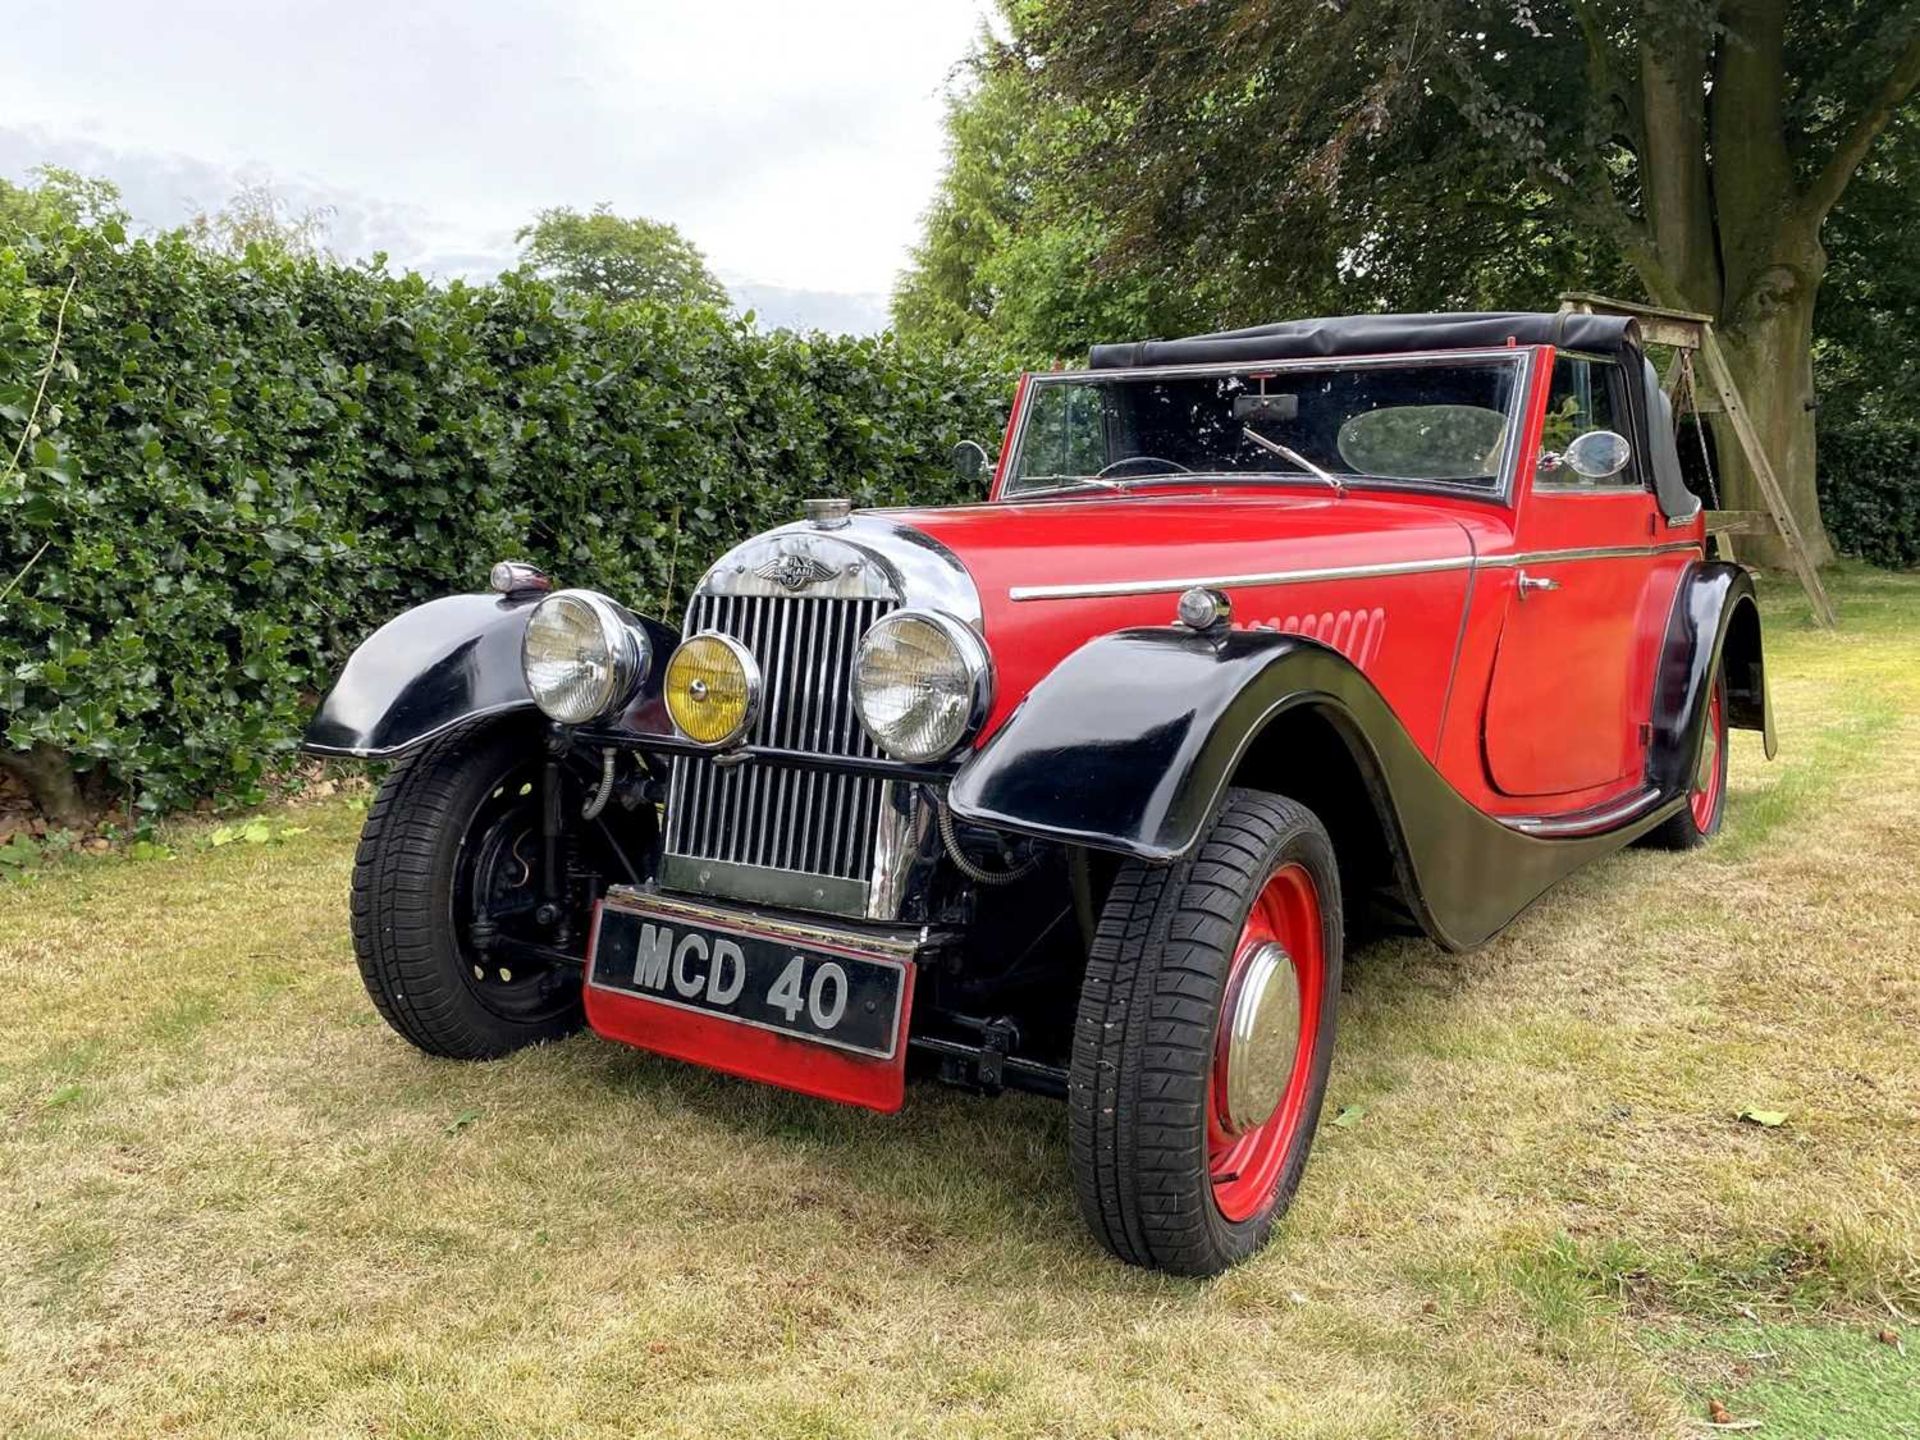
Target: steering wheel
[1144, 460]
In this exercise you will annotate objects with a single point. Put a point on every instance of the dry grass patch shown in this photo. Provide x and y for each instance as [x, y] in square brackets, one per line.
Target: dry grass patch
[231, 1203]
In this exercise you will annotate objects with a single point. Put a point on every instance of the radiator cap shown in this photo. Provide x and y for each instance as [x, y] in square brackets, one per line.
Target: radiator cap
[829, 514]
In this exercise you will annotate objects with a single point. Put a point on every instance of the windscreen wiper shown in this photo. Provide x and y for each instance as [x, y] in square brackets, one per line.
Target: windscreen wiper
[1287, 452]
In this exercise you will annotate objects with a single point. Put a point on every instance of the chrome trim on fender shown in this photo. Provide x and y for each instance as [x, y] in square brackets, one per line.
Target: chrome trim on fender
[1340, 572]
[1584, 822]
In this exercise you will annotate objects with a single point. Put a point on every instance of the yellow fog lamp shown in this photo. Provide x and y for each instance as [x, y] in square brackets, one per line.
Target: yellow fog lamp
[712, 688]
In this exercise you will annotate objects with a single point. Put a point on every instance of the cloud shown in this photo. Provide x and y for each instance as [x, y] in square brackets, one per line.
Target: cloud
[777, 308]
[161, 191]
[797, 145]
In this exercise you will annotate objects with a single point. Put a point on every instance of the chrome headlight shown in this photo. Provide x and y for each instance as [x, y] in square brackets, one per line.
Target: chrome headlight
[921, 684]
[581, 656]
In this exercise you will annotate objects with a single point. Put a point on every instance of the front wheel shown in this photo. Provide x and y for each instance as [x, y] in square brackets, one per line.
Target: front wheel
[1204, 1037]
[450, 914]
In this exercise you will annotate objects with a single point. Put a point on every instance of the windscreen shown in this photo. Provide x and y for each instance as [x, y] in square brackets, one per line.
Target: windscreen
[1421, 422]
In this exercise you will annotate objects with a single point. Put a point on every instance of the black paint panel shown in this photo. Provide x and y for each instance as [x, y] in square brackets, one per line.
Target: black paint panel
[437, 664]
[1130, 742]
[1713, 598]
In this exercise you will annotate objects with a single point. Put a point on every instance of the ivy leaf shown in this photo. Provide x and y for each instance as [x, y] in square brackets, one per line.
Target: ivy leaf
[1772, 1119]
[1350, 1116]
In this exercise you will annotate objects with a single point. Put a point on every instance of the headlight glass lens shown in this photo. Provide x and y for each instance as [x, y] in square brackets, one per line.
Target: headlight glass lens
[712, 689]
[579, 657]
[919, 684]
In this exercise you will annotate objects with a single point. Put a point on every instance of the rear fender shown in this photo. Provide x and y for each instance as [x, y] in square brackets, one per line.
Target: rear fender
[1715, 623]
[436, 666]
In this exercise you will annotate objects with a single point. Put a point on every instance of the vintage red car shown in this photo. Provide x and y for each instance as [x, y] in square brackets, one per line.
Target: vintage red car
[1261, 639]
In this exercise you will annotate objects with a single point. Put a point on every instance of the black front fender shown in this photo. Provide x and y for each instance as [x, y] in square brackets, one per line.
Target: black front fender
[439, 664]
[1131, 742]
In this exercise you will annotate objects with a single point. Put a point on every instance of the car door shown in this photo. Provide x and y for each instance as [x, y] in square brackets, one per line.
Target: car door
[1568, 695]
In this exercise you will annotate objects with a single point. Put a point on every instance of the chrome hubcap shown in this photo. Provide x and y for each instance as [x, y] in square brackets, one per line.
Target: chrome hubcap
[1261, 1037]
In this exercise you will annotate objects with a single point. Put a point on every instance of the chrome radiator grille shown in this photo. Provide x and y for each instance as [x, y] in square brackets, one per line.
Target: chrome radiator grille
[774, 833]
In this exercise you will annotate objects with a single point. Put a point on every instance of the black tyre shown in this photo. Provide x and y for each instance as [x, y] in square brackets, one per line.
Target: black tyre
[1192, 1107]
[1698, 821]
[453, 840]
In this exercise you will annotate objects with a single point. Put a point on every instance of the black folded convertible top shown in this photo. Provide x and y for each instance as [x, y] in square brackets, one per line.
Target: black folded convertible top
[1378, 335]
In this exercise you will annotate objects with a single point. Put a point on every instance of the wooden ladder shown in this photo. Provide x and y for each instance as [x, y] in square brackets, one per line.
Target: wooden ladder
[1691, 333]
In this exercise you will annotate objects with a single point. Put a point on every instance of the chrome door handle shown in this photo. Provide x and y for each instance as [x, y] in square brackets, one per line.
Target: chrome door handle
[1535, 582]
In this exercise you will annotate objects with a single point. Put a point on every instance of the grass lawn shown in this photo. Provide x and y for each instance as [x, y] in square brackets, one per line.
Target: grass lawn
[232, 1203]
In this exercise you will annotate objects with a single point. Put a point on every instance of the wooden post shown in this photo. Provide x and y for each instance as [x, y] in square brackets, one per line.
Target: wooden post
[1736, 413]
[1689, 330]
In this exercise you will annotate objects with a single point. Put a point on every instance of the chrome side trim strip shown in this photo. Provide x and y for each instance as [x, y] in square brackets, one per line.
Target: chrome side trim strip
[1592, 552]
[1584, 822]
[1342, 572]
[1270, 577]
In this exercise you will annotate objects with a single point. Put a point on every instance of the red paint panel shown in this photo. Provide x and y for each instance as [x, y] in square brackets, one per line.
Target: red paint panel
[1163, 538]
[1006, 439]
[1562, 710]
[753, 1054]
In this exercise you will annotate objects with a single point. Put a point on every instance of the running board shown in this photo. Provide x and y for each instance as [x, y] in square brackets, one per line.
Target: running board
[1585, 822]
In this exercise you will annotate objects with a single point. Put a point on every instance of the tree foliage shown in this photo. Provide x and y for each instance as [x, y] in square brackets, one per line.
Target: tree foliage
[257, 216]
[1246, 161]
[618, 259]
[242, 466]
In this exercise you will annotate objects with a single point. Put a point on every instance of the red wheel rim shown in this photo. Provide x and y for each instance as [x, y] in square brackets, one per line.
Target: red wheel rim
[1711, 775]
[1245, 1167]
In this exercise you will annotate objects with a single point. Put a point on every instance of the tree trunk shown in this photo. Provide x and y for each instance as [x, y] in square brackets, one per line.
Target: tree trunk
[1769, 349]
[1771, 264]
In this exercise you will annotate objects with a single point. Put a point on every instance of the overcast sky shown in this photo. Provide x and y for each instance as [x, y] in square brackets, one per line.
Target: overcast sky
[796, 143]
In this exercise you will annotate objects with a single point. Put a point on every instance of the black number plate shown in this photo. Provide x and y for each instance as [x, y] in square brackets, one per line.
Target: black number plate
[834, 996]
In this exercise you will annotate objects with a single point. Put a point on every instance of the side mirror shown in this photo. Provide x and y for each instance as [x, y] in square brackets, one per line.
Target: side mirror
[969, 460]
[1598, 455]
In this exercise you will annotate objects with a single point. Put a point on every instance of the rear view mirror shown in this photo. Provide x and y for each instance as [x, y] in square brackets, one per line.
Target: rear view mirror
[1265, 407]
[969, 460]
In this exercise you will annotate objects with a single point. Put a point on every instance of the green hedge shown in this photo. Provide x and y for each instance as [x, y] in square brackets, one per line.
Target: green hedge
[246, 466]
[1869, 479]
